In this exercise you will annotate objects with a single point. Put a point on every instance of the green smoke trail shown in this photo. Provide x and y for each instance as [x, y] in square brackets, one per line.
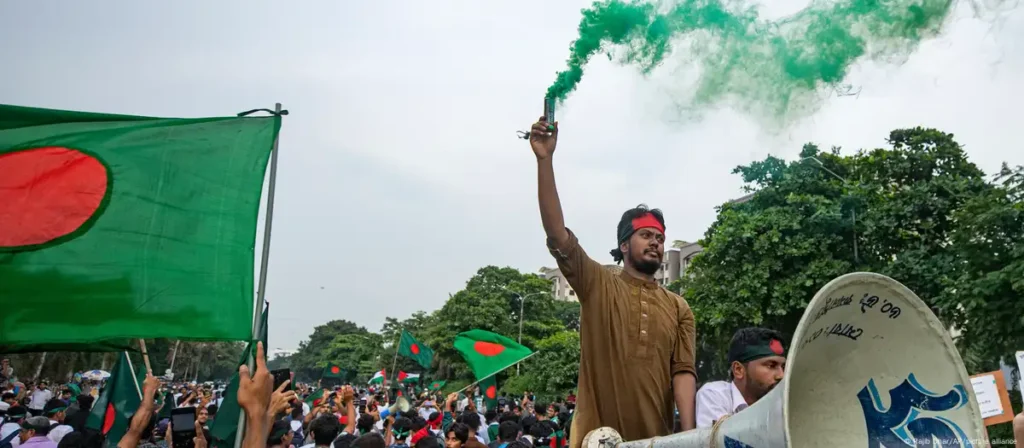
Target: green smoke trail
[775, 67]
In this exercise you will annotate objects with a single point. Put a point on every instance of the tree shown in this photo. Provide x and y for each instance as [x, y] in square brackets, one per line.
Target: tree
[337, 342]
[765, 258]
[556, 369]
[280, 362]
[491, 301]
[417, 325]
[568, 312]
[990, 241]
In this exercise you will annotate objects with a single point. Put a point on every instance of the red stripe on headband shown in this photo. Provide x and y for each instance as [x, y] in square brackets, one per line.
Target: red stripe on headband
[647, 220]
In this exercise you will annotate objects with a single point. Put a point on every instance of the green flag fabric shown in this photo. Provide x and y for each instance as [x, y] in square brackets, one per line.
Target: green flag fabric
[111, 413]
[166, 405]
[489, 391]
[410, 348]
[437, 385]
[489, 353]
[225, 424]
[316, 395]
[132, 227]
[333, 371]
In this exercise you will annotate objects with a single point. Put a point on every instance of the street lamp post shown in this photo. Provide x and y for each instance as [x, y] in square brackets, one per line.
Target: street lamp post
[522, 301]
[853, 211]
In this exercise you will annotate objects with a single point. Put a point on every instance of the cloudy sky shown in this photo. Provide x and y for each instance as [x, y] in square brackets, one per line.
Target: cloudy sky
[400, 174]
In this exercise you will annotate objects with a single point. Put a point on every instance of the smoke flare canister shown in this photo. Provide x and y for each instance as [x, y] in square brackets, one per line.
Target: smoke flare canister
[549, 112]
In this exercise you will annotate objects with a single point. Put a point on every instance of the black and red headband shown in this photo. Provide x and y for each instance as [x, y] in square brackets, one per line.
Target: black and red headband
[640, 222]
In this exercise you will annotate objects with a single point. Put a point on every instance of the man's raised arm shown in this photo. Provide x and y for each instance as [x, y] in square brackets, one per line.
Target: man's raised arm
[543, 140]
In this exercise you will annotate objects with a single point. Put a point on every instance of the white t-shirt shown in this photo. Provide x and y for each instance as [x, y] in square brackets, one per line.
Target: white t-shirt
[9, 428]
[716, 400]
[425, 412]
[482, 433]
[58, 432]
[39, 399]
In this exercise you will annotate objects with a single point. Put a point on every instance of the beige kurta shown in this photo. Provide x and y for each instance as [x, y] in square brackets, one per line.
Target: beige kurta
[634, 337]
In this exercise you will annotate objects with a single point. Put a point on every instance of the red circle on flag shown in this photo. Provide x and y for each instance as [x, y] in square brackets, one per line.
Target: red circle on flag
[776, 346]
[491, 392]
[415, 349]
[335, 369]
[108, 418]
[47, 193]
[488, 348]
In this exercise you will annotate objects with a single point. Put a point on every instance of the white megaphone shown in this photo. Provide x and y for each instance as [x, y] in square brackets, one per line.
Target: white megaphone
[869, 366]
[401, 405]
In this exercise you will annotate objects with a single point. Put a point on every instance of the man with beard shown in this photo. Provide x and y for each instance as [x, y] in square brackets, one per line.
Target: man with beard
[637, 340]
[757, 363]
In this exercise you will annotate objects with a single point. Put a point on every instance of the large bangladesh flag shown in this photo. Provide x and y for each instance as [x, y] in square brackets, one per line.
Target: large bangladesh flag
[410, 348]
[115, 227]
[116, 404]
[489, 353]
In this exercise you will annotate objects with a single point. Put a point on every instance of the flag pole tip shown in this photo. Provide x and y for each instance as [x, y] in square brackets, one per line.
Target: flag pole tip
[271, 112]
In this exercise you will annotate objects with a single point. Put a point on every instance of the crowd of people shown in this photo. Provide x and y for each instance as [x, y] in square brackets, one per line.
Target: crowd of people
[340, 417]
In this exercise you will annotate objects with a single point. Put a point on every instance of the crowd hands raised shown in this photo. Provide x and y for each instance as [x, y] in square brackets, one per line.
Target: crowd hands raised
[340, 418]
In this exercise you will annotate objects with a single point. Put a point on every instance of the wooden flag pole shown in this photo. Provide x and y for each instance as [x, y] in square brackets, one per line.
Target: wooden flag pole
[261, 290]
[135, 379]
[145, 356]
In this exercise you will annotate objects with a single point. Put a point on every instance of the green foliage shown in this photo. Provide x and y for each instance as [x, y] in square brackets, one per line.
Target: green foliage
[337, 342]
[990, 242]
[280, 362]
[555, 369]
[919, 212]
[490, 301]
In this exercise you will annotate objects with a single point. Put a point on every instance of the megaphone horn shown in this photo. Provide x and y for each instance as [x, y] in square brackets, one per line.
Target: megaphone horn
[401, 405]
[862, 335]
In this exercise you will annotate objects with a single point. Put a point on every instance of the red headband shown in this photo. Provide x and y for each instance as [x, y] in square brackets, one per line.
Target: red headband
[436, 421]
[647, 220]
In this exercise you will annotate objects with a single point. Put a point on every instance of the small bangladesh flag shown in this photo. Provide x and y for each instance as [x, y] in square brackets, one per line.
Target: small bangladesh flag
[333, 371]
[410, 348]
[437, 385]
[127, 223]
[408, 378]
[489, 389]
[377, 378]
[313, 397]
[114, 408]
[489, 353]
